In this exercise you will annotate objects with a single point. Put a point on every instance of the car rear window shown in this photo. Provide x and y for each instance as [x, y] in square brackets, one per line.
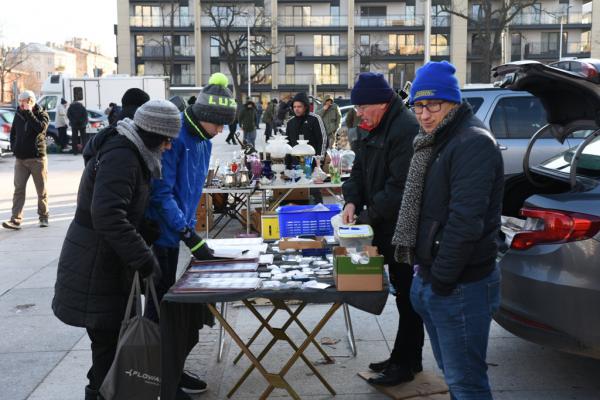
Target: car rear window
[588, 165]
[475, 103]
[517, 117]
[8, 116]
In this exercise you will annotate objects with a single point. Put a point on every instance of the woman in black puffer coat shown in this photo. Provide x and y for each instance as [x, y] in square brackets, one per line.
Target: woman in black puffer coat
[104, 247]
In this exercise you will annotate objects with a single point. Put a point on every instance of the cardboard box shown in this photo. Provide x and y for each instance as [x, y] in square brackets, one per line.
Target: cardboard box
[350, 277]
[269, 225]
[296, 194]
[292, 243]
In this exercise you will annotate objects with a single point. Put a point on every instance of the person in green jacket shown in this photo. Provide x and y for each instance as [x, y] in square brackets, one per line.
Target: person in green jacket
[332, 118]
[268, 117]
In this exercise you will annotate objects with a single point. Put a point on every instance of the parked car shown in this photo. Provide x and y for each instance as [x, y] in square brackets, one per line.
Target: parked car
[587, 67]
[6, 120]
[97, 121]
[549, 264]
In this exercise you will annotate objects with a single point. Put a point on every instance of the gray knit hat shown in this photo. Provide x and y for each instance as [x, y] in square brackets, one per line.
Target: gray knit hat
[160, 117]
[215, 103]
[27, 94]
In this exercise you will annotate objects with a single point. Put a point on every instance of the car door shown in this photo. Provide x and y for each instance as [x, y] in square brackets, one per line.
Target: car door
[513, 119]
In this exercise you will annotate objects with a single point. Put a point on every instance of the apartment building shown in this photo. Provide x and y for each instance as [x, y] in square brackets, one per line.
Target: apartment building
[320, 46]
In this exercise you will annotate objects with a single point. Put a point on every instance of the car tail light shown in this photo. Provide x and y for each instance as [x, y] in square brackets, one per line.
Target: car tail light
[96, 124]
[5, 128]
[553, 226]
[589, 71]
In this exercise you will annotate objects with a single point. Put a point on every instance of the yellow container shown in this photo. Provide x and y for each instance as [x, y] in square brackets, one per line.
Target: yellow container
[269, 226]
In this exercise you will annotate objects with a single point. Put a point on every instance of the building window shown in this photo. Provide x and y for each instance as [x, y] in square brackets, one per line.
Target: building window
[297, 15]
[399, 73]
[373, 11]
[326, 45]
[439, 45]
[215, 66]
[403, 45]
[365, 67]
[365, 45]
[38, 75]
[139, 45]
[549, 42]
[147, 16]
[139, 69]
[290, 73]
[439, 17]
[290, 45]
[327, 74]
[214, 46]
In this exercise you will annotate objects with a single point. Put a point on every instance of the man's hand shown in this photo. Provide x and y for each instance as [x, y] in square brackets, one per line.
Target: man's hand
[349, 214]
[197, 246]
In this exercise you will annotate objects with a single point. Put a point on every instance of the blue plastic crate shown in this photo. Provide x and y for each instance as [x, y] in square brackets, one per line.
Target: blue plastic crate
[295, 220]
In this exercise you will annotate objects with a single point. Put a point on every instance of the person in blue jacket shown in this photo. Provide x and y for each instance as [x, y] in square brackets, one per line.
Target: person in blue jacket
[175, 196]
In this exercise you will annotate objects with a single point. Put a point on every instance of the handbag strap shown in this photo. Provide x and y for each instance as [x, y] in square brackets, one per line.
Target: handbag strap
[134, 294]
[150, 288]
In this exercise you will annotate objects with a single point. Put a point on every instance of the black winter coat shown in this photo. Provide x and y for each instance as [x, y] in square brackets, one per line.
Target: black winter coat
[380, 168]
[77, 115]
[103, 246]
[311, 127]
[462, 203]
[28, 133]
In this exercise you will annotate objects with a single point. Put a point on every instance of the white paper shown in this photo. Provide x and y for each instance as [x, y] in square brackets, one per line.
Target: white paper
[315, 285]
[266, 259]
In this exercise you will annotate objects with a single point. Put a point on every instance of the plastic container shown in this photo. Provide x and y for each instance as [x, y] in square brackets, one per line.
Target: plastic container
[304, 220]
[355, 236]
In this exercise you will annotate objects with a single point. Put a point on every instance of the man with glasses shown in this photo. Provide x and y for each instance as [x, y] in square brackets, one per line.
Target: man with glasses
[374, 192]
[447, 227]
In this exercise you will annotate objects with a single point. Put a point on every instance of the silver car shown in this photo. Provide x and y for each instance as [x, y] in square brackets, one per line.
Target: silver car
[551, 261]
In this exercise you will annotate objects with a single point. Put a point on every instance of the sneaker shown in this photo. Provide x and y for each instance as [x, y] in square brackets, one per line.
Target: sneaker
[43, 222]
[191, 383]
[181, 395]
[11, 224]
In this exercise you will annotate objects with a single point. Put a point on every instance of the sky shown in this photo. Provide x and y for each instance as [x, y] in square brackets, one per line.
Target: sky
[56, 21]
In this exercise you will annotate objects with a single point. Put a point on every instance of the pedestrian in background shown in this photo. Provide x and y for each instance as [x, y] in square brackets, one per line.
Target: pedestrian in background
[104, 246]
[191, 100]
[176, 195]
[113, 113]
[78, 119]
[269, 117]
[352, 123]
[61, 124]
[332, 119]
[247, 119]
[448, 225]
[259, 113]
[28, 142]
[374, 193]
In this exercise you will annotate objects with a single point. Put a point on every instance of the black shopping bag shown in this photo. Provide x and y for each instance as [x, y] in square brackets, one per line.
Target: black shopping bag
[135, 371]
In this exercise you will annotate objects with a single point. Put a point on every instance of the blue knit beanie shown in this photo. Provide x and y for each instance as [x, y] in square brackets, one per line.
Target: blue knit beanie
[371, 88]
[435, 81]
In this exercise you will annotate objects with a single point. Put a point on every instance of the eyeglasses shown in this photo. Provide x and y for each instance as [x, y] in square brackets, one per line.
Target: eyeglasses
[431, 107]
[362, 108]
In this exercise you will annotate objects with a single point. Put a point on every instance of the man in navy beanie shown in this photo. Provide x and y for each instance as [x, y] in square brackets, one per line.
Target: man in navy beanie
[447, 227]
[374, 192]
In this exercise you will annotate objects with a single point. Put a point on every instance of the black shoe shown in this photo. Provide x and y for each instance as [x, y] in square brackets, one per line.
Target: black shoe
[416, 366]
[44, 222]
[12, 224]
[393, 375]
[181, 395]
[379, 366]
[191, 383]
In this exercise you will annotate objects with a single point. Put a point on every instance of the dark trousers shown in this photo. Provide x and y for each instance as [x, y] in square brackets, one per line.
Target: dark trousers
[231, 136]
[268, 129]
[167, 259]
[104, 347]
[78, 138]
[408, 345]
[63, 139]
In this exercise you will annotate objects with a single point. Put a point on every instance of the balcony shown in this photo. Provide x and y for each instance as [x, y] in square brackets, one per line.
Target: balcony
[255, 55]
[475, 52]
[183, 80]
[147, 23]
[237, 23]
[544, 17]
[158, 51]
[383, 52]
[312, 79]
[320, 53]
[549, 51]
[260, 82]
[401, 22]
[316, 21]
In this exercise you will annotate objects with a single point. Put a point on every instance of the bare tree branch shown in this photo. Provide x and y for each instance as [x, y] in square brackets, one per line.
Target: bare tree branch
[10, 59]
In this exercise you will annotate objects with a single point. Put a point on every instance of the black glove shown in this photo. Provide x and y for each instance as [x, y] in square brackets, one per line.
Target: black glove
[440, 288]
[196, 244]
[364, 218]
[149, 230]
[149, 268]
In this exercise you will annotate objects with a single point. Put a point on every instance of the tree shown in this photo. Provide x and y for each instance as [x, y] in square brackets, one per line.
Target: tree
[11, 58]
[231, 22]
[488, 23]
[165, 47]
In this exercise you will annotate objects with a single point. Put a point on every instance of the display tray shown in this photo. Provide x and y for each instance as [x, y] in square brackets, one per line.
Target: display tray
[191, 282]
[225, 266]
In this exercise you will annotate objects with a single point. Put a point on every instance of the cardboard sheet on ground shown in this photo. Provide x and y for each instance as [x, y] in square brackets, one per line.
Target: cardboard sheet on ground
[426, 386]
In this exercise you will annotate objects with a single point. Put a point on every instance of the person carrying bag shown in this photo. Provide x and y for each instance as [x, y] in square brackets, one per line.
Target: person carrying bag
[135, 372]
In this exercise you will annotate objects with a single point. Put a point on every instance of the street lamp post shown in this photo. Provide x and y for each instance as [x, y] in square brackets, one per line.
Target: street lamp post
[248, 50]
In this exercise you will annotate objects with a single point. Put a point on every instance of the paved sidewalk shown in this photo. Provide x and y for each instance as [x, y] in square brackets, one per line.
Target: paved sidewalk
[43, 359]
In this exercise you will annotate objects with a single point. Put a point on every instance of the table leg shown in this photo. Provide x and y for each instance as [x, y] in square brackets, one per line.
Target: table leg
[349, 329]
[279, 200]
[302, 348]
[248, 214]
[256, 334]
[221, 333]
